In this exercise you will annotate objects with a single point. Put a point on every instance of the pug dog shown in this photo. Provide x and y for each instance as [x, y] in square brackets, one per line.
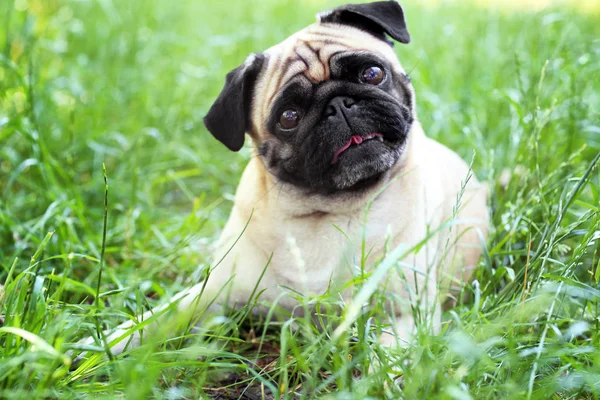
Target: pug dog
[340, 163]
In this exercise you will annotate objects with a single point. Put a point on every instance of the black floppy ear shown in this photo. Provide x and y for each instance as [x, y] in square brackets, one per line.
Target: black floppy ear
[377, 18]
[229, 117]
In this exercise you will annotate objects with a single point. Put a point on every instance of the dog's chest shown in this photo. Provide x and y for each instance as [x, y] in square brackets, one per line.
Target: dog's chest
[313, 254]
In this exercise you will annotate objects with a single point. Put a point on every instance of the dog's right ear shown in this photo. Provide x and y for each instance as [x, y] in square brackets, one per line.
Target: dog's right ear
[378, 18]
[229, 117]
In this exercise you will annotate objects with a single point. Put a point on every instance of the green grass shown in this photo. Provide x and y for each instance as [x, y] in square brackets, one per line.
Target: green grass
[126, 83]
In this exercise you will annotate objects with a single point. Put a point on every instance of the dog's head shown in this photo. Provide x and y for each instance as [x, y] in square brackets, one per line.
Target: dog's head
[330, 108]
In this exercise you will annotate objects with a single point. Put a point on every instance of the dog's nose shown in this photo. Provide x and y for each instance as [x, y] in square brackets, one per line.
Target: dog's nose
[339, 104]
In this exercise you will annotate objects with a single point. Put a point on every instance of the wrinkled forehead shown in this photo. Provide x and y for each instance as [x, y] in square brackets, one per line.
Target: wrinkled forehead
[308, 53]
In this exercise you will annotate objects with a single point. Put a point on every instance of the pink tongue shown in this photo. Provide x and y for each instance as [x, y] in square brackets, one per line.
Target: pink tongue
[356, 139]
[353, 140]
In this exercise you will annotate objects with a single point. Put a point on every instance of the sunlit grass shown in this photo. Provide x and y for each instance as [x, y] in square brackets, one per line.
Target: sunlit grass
[127, 84]
[592, 6]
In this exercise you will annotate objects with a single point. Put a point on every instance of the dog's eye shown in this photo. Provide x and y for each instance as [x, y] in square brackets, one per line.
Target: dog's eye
[289, 119]
[372, 75]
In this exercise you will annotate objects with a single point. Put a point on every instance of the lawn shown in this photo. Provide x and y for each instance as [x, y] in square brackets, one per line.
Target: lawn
[125, 84]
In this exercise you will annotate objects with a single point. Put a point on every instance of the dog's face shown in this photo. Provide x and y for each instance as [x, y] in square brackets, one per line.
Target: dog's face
[330, 108]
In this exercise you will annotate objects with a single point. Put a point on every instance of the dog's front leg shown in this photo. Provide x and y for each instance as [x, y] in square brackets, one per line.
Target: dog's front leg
[185, 307]
[424, 311]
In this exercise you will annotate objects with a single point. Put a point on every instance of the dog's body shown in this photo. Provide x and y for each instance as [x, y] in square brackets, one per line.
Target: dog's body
[310, 248]
[332, 117]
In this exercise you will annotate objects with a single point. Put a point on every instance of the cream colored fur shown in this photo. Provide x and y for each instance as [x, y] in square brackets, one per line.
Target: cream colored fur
[299, 234]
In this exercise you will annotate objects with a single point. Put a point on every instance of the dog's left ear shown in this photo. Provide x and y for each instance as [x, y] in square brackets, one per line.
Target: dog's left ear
[378, 18]
[229, 117]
